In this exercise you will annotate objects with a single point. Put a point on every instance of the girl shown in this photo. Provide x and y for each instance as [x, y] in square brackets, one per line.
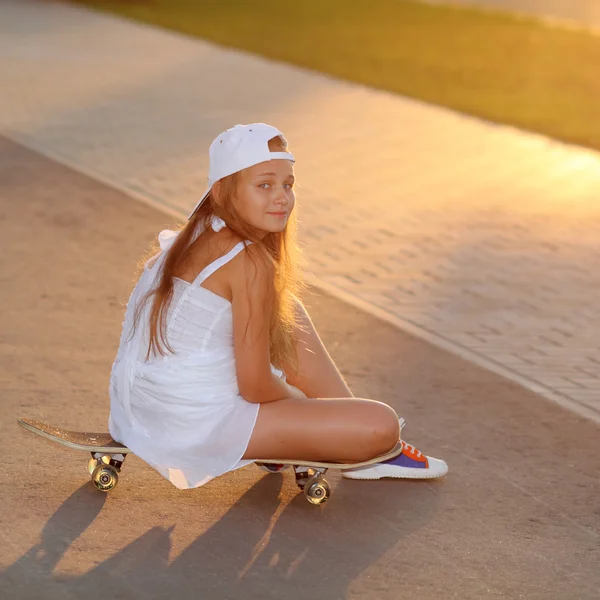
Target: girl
[219, 363]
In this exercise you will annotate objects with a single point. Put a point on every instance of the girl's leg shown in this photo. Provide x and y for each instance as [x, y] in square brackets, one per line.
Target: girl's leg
[343, 429]
[339, 430]
[317, 376]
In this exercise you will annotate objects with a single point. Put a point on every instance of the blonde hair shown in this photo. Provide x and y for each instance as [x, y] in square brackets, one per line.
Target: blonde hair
[280, 249]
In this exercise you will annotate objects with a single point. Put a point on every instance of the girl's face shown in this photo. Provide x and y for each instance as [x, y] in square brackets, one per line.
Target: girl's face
[265, 195]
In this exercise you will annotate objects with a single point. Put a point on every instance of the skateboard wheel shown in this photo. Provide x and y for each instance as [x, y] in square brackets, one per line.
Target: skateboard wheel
[92, 464]
[105, 477]
[317, 490]
[96, 462]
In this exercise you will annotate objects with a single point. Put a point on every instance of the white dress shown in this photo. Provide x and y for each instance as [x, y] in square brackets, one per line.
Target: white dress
[182, 413]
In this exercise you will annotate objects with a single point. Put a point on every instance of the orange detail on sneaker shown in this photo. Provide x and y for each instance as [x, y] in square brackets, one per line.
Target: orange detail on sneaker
[408, 449]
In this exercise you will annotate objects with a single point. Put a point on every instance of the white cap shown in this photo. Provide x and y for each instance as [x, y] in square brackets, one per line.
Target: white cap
[238, 148]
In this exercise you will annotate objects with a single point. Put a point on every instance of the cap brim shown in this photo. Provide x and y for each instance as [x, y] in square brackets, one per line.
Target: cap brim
[204, 196]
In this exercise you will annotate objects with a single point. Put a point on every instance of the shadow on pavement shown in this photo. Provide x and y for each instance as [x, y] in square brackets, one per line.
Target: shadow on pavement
[254, 551]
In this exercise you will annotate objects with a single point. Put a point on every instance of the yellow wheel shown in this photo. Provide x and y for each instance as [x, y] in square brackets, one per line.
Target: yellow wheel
[95, 462]
[317, 490]
[105, 477]
[92, 465]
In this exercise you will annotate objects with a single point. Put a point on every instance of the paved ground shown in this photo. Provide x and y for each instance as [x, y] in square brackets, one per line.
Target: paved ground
[585, 13]
[477, 237]
[517, 516]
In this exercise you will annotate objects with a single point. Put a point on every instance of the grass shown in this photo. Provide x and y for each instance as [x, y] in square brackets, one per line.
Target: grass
[499, 67]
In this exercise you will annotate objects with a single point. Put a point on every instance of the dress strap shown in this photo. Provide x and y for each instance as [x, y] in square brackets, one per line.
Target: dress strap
[217, 264]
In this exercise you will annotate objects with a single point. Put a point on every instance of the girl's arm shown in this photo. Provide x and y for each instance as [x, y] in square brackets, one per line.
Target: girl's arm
[253, 295]
[317, 375]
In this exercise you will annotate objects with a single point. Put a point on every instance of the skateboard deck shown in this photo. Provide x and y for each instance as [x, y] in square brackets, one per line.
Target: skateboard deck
[77, 440]
[331, 465]
[109, 455]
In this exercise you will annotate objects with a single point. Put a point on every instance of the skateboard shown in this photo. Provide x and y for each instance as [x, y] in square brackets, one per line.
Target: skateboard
[108, 456]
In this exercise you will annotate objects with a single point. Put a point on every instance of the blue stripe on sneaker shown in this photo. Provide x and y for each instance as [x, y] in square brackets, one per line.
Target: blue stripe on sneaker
[404, 460]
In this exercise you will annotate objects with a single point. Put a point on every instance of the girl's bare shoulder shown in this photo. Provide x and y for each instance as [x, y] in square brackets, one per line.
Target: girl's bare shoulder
[251, 268]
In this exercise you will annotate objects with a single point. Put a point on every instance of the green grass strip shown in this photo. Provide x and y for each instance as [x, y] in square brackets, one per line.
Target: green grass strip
[499, 67]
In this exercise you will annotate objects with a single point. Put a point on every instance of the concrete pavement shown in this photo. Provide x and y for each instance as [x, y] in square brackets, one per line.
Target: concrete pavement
[516, 517]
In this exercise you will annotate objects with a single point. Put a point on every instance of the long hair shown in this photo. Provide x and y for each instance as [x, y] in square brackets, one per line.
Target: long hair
[281, 249]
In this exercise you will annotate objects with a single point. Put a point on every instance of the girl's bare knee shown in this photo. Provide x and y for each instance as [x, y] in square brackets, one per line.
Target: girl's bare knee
[381, 429]
[389, 428]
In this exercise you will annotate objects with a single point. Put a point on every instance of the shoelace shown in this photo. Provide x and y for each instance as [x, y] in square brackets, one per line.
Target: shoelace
[411, 449]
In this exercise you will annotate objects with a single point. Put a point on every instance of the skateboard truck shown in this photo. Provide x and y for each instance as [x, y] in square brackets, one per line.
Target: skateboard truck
[310, 480]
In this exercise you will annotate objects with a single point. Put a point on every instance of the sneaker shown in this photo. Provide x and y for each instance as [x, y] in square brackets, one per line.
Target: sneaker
[411, 464]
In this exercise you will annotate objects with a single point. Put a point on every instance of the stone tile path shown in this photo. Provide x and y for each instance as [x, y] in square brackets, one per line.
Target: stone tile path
[481, 238]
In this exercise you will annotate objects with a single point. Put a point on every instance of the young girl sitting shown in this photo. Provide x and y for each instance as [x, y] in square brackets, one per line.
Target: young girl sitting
[219, 363]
